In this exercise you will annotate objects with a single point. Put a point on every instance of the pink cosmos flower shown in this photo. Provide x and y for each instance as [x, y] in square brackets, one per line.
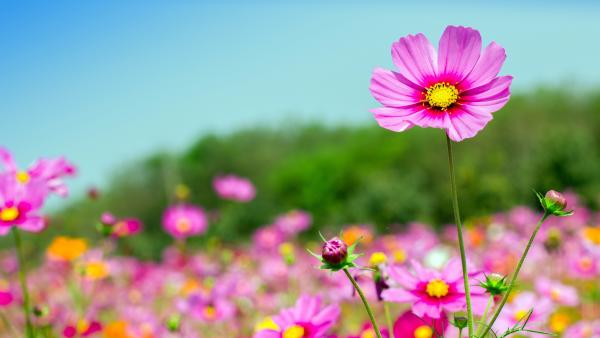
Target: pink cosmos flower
[50, 171]
[557, 292]
[455, 88]
[584, 329]
[518, 309]
[127, 227]
[306, 319]
[411, 325]
[431, 292]
[20, 204]
[184, 220]
[367, 331]
[234, 188]
[293, 222]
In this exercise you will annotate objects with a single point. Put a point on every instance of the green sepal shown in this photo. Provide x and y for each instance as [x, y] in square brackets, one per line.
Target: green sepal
[552, 208]
[347, 263]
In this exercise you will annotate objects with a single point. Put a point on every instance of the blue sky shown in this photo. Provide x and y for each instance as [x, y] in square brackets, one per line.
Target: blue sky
[103, 82]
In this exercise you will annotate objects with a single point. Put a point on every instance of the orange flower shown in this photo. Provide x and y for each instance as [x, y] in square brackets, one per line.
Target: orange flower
[66, 248]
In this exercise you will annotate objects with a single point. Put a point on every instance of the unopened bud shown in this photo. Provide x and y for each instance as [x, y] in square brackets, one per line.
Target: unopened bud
[557, 199]
[335, 251]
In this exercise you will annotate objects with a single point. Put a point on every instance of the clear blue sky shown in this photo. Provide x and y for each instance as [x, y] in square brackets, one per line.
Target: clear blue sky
[107, 81]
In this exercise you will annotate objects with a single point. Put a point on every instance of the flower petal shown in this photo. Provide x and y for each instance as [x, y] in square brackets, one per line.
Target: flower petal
[397, 295]
[488, 66]
[459, 50]
[466, 123]
[402, 277]
[392, 89]
[393, 118]
[415, 58]
[421, 309]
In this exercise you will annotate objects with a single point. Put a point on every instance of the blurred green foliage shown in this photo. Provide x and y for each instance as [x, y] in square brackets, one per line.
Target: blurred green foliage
[542, 139]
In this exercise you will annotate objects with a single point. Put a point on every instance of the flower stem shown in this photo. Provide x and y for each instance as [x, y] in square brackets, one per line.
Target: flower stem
[484, 316]
[461, 242]
[388, 318]
[23, 281]
[364, 300]
[515, 274]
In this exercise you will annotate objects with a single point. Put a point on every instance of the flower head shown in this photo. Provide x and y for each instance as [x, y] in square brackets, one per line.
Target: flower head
[337, 255]
[307, 319]
[184, 220]
[431, 292]
[456, 88]
[234, 188]
[66, 248]
[411, 325]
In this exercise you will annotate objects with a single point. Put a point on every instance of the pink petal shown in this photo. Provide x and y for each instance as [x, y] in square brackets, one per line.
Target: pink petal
[453, 271]
[415, 58]
[465, 123]
[398, 295]
[422, 308]
[391, 92]
[393, 118]
[7, 159]
[495, 89]
[459, 50]
[402, 277]
[488, 66]
[33, 224]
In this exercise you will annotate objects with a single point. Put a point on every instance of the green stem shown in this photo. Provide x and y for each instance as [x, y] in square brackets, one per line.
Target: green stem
[515, 274]
[460, 333]
[365, 303]
[23, 281]
[484, 316]
[461, 242]
[388, 318]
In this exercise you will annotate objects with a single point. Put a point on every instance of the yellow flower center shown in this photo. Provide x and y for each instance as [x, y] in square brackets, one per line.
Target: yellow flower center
[286, 249]
[266, 324]
[23, 177]
[369, 333]
[210, 312]
[585, 263]
[555, 295]
[423, 331]
[96, 270]
[437, 288]
[183, 225]
[592, 234]
[559, 322]
[294, 331]
[377, 258]
[9, 214]
[520, 315]
[441, 95]
[399, 255]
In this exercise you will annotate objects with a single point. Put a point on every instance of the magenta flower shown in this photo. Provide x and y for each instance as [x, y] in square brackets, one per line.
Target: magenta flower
[234, 188]
[127, 227]
[20, 204]
[455, 88]
[184, 220]
[557, 292]
[518, 310]
[293, 222]
[50, 171]
[430, 292]
[411, 325]
[305, 320]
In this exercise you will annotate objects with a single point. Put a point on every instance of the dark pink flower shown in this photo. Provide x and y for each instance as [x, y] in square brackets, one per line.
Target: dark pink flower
[411, 325]
[184, 220]
[456, 88]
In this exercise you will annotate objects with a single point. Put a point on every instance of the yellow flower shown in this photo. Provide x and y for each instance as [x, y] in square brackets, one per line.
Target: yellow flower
[377, 258]
[116, 329]
[66, 248]
[95, 270]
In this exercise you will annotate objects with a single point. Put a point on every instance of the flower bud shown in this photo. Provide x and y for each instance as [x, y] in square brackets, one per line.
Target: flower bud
[556, 199]
[554, 203]
[108, 219]
[335, 251]
[494, 284]
[173, 323]
[460, 322]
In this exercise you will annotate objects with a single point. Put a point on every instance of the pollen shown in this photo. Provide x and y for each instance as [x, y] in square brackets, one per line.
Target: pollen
[441, 95]
[377, 258]
[210, 312]
[369, 333]
[294, 331]
[437, 288]
[9, 214]
[423, 331]
[23, 177]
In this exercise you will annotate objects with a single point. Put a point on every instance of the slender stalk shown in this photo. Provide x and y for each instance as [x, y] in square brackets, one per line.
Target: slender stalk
[388, 318]
[461, 242]
[515, 274]
[460, 333]
[23, 281]
[365, 303]
[484, 316]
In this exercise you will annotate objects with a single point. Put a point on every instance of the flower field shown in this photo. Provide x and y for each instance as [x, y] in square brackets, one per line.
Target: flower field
[521, 272]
